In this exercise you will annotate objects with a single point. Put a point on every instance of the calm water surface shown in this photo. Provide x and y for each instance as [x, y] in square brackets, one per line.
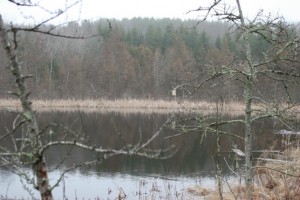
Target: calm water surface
[193, 164]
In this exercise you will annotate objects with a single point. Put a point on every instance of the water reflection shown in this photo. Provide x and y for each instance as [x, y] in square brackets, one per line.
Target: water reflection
[104, 186]
[193, 160]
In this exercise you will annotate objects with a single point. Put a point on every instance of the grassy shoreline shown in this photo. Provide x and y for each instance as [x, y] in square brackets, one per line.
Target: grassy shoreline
[122, 105]
[276, 176]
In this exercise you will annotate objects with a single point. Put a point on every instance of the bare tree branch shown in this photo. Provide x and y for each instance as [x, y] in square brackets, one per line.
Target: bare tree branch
[14, 129]
[23, 3]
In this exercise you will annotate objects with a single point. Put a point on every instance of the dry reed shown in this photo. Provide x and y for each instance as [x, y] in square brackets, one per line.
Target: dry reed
[122, 105]
[279, 177]
[275, 178]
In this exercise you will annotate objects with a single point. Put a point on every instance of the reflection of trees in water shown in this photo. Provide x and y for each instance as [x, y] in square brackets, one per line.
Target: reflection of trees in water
[192, 157]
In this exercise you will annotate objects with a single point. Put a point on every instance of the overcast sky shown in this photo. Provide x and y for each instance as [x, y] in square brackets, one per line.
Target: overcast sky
[93, 9]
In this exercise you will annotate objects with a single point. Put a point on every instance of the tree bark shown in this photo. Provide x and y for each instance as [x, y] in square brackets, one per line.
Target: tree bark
[39, 165]
[248, 140]
[248, 108]
[218, 162]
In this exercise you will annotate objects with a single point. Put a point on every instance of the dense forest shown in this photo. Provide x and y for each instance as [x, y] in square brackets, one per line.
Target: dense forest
[136, 58]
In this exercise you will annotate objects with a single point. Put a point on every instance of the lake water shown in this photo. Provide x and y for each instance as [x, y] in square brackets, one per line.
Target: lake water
[193, 164]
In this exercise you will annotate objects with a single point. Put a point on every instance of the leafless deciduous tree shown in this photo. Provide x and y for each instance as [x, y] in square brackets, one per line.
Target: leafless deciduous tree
[30, 147]
[279, 63]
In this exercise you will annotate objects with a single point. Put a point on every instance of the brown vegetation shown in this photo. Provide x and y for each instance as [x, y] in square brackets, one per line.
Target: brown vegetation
[122, 105]
[276, 178]
[130, 106]
[279, 178]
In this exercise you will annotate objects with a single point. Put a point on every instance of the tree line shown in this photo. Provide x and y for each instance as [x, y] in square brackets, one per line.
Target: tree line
[136, 58]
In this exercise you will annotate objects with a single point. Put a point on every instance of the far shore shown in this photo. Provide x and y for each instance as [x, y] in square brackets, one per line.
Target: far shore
[128, 106]
[122, 105]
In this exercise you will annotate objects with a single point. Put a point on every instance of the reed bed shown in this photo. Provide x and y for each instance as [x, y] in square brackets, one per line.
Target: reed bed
[136, 106]
[122, 105]
[277, 176]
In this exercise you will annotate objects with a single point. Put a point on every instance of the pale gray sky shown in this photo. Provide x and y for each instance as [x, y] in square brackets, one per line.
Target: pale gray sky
[93, 9]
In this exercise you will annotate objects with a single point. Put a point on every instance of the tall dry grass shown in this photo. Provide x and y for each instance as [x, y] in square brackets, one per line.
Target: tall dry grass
[279, 177]
[123, 105]
[276, 178]
[134, 106]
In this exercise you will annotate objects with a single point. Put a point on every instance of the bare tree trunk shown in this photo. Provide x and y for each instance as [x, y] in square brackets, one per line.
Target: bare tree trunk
[248, 109]
[39, 166]
[42, 178]
[51, 72]
[219, 168]
[219, 113]
[248, 141]
[156, 73]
